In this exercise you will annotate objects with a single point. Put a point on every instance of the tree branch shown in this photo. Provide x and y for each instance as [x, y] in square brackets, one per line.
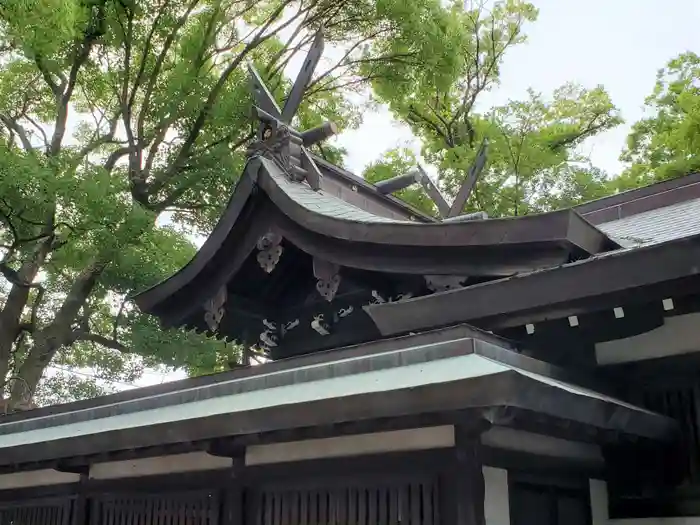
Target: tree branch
[13, 125]
[146, 53]
[94, 31]
[55, 88]
[148, 93]
[14, 278]
[203, 115]
[100, 340]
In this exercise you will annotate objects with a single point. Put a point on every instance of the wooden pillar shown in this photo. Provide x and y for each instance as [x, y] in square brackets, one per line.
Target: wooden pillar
[81, 515]
[463, 483]
[231, 507]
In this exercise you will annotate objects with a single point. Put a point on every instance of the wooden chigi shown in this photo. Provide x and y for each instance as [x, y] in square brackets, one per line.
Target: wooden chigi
[458, 371]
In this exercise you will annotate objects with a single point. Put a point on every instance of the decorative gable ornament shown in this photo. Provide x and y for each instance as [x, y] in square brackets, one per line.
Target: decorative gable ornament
[276, 138]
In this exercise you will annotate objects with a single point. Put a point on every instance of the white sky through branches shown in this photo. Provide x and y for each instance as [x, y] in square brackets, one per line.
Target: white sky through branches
[620, 44]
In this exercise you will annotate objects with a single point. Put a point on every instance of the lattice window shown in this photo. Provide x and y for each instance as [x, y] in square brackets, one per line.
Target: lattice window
[390, 504]
[188, 508]
[55, 512]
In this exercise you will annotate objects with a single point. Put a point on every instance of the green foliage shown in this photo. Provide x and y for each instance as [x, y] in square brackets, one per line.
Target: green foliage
[665, 145]
[533, 164]
[123, 127]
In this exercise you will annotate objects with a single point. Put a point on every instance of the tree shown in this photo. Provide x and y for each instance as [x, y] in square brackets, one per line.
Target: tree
[533, 162]
[119, 114]
[665, 144]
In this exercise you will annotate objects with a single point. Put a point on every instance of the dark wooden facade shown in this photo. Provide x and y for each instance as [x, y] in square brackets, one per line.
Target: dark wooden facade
[416, 489]
[439, 483]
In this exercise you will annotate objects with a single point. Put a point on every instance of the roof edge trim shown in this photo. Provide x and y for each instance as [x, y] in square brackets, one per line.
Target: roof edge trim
[149, 298]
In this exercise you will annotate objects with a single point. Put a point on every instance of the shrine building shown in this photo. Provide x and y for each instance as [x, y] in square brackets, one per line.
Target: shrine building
[459, 370]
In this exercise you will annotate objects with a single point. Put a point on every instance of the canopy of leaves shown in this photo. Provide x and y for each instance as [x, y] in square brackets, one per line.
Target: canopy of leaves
[123, 127]
[665, 144]
[533, 160]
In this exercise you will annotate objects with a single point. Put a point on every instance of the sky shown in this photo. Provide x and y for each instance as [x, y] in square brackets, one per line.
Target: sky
[620, 44]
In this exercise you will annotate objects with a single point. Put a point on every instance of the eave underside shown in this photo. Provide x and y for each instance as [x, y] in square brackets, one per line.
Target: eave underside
[447, 382]
[625, 277]
[326, 229]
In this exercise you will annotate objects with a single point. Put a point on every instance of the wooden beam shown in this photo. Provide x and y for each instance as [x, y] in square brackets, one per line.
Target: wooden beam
[263, 98]
[632, 276]
[470, 181]
[303, 79]
[464, 491]
[434, 193]
[319, 133]
[394, 184]
[313, 174]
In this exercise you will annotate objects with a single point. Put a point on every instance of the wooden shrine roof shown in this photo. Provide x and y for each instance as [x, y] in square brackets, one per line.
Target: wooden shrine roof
[331, 229]
[308, 256]
[656, 213]
[651, 272]
[675, 221]
[458, 372]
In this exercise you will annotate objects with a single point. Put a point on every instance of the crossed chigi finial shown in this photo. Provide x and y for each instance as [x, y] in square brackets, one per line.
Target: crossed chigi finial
[288, 147]
[275, 134]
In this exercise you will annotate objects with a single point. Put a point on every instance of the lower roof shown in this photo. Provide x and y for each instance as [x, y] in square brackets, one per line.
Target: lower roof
[453, 375]
[675, 221]
[635, 274]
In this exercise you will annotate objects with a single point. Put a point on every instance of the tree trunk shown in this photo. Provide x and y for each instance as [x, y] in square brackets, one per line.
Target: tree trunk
[11, 314]
[51, 338]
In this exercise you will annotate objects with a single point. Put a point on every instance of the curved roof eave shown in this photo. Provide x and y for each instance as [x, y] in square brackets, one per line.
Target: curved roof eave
[328, 215]
[150, 297]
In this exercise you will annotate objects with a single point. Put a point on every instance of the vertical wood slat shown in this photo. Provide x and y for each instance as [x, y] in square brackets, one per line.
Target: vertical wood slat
[313, 507]
[394, 511]
[405, 506]
[681, 402]
[415, 501]
[304, 508]
[428, 505]
[323, 514]
[199, 508]
[55, 512]
[342, 504]
[371, 507]
[436, 504]
[296, 507]
[286, 507]
[399, 503]
[352, 517]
